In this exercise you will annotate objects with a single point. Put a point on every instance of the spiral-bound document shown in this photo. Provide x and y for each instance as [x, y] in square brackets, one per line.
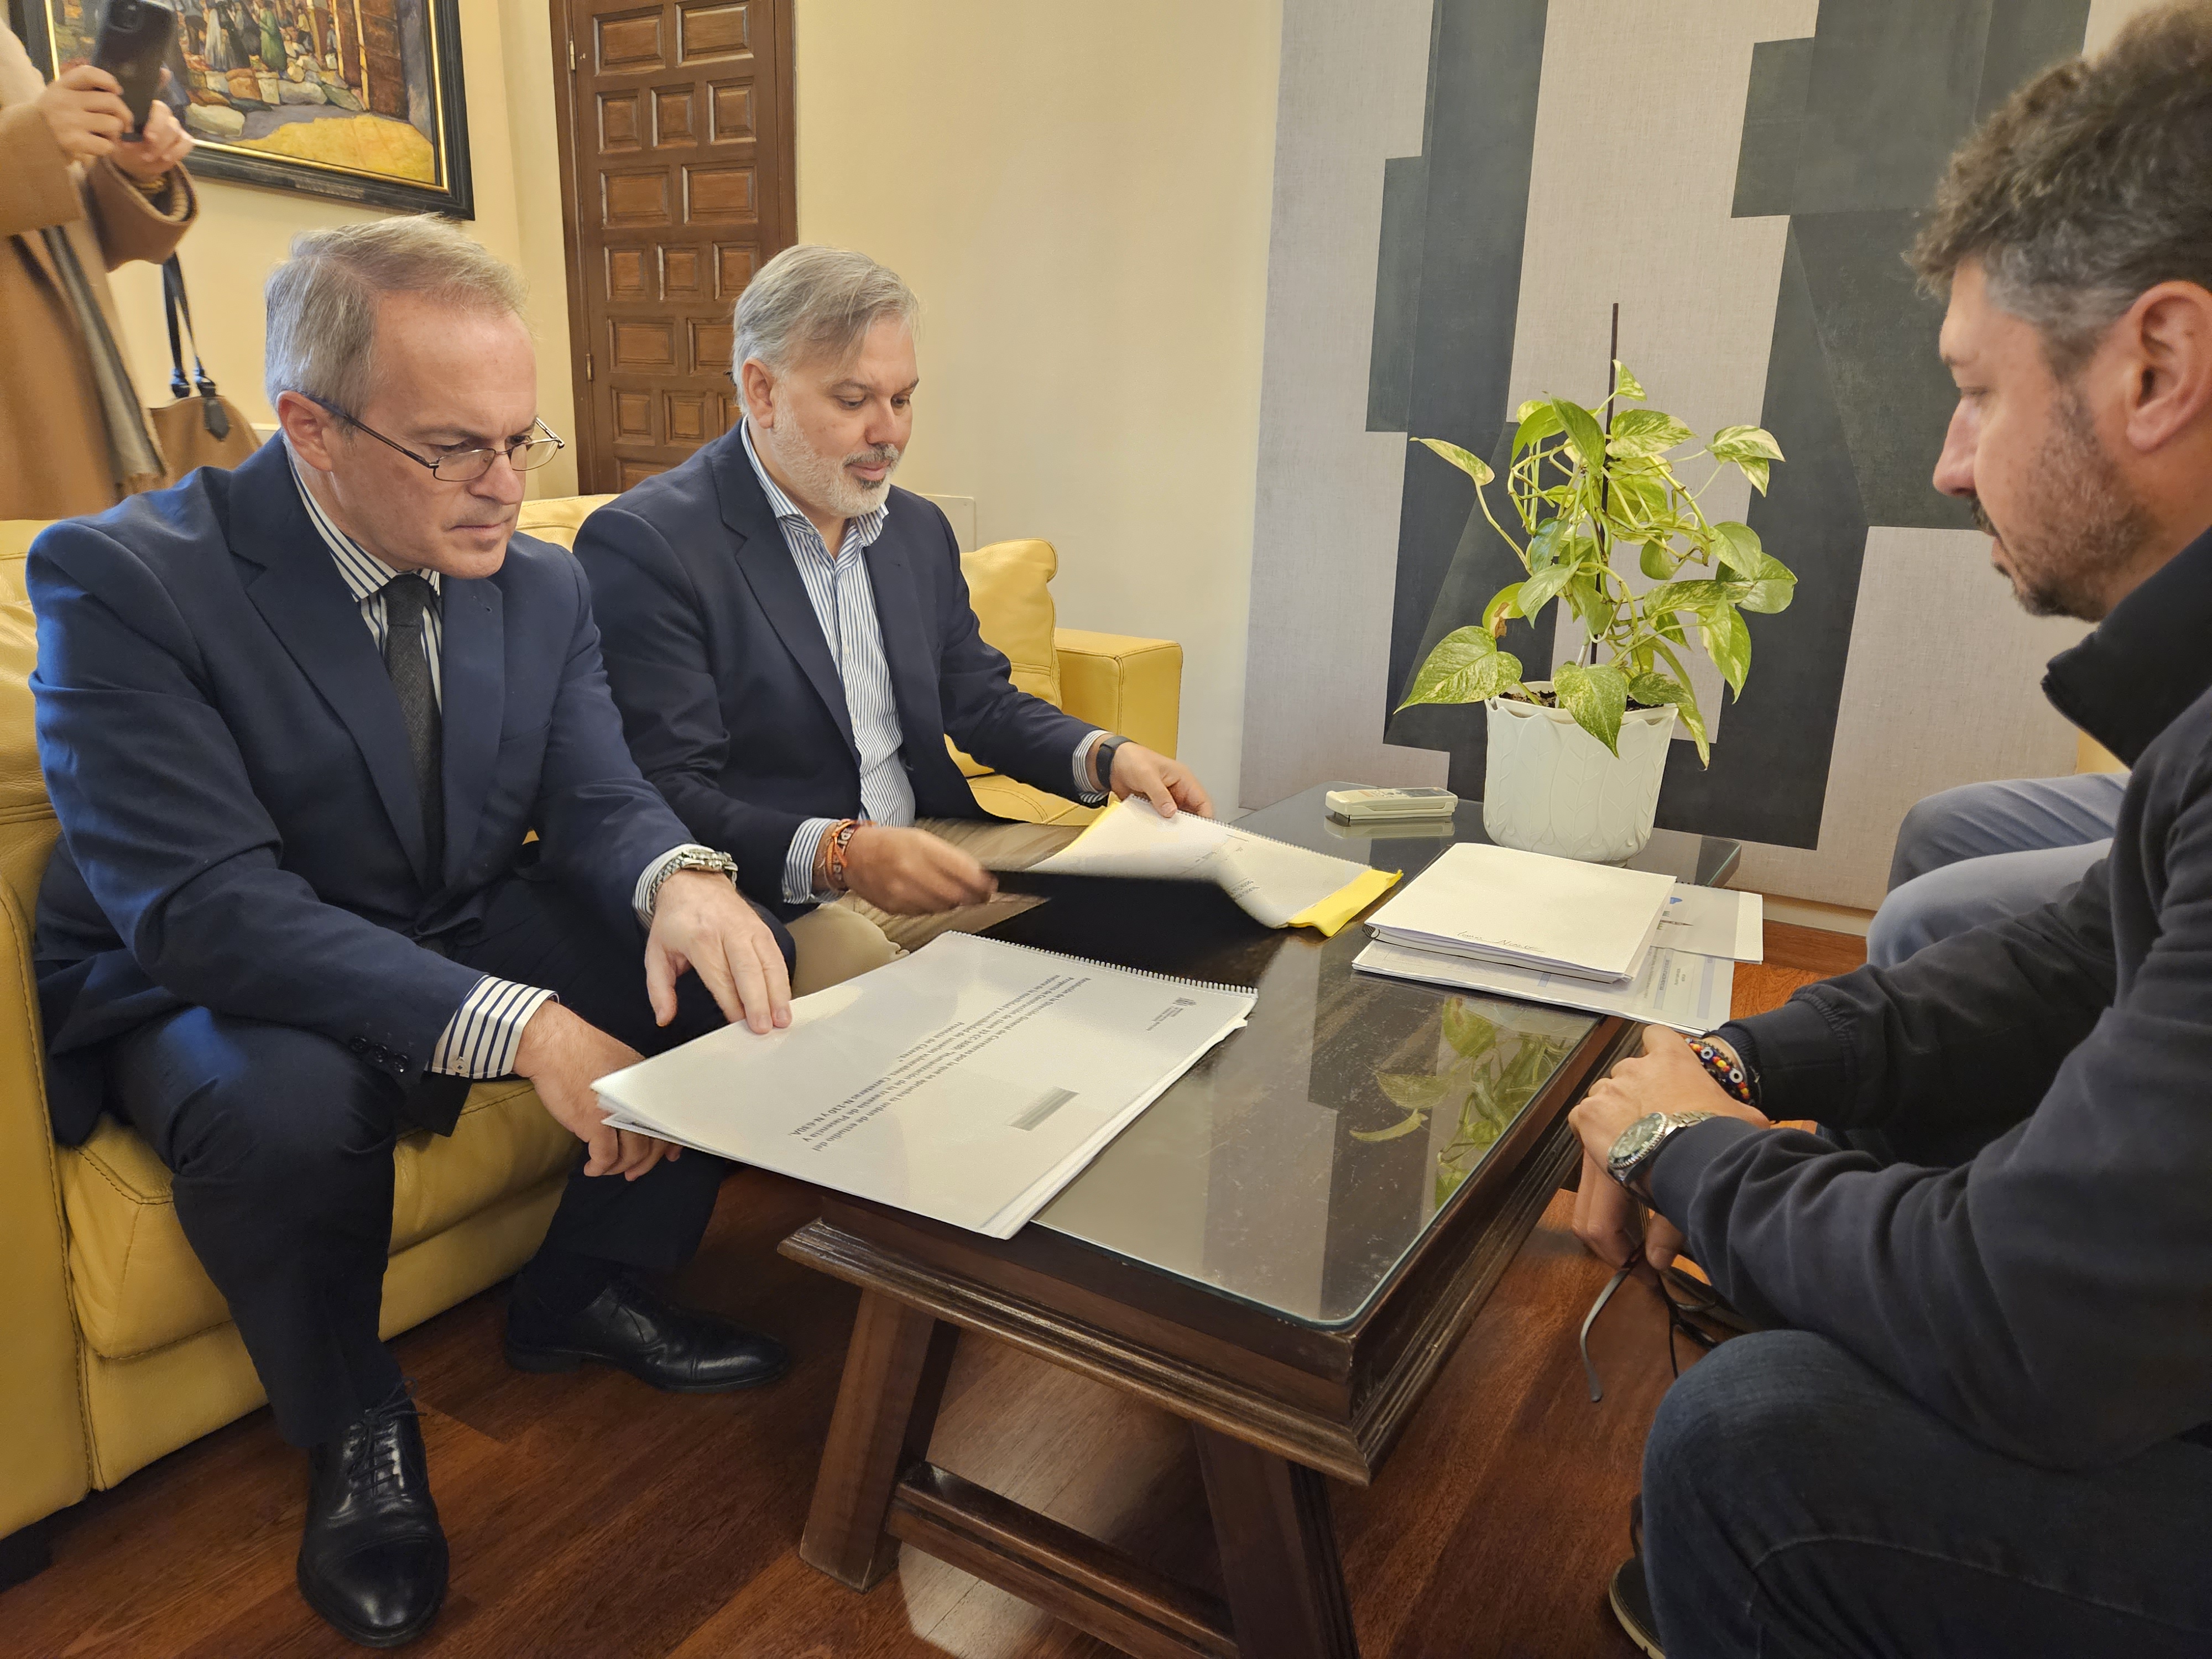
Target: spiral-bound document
[968, 1081]
[1277, 884]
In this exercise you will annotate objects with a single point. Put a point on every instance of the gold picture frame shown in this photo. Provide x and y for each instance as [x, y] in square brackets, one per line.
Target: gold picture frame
[366, 104]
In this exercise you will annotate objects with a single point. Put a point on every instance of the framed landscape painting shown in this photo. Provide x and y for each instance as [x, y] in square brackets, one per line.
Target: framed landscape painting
[358, 99]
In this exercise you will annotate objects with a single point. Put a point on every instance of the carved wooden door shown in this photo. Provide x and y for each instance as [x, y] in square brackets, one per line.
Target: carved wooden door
[678, 184]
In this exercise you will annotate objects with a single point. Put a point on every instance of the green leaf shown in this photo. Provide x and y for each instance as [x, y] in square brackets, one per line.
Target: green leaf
[1468, 1032]
[1584, 436]
[1750, 448]
[1503, 604]
[1704, 597]
[1414, 1092]
[1596, 696]
[1737, 546]
[1467, 667]
[1538, 420]
[1771, 586]
[1639, 501]
[1412, 1122]
[1544, 545]
[1466, 461]
[1657, 560]
[1590, 604]
[1625, 384]
[1744, 443]
[1727, 642]
[1656, 691]
[1543, 586]
[1639, 432]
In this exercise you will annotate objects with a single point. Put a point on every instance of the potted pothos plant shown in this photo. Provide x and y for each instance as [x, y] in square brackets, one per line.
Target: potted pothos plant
[1574, 762]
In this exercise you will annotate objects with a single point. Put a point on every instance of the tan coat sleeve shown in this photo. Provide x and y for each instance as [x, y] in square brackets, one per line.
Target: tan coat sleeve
[128, 225]
[36, 189]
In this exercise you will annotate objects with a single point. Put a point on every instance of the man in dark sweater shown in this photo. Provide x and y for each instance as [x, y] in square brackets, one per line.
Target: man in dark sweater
[1980, 1421]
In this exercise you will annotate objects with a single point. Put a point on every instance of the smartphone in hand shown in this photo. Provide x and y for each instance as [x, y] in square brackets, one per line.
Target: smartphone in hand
[134, 39]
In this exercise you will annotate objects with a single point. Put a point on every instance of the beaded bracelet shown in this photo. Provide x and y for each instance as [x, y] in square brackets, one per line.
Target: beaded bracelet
[1736, 1079]
[838, 838]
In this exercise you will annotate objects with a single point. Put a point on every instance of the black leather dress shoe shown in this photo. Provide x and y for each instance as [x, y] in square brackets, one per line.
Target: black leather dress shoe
[679, 1350]
[372, 1557]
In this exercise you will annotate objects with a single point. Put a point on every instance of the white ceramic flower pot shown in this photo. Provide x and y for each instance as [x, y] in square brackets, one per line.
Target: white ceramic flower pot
[1549, 786]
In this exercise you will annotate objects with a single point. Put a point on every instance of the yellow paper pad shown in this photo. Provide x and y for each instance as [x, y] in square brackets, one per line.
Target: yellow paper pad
[1347, 901]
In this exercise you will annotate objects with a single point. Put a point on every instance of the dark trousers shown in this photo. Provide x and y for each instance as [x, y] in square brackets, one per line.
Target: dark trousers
[280, 1142]
[1795, 1503]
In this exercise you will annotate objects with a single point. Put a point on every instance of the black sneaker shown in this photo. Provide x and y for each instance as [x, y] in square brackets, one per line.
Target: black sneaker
[1628, 1595]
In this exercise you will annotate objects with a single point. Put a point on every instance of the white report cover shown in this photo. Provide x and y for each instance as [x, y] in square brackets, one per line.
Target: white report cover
[968, 1081]
[1526, 909]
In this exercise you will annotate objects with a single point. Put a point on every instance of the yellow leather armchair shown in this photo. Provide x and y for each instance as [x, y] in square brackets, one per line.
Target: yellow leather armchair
[114, 1346]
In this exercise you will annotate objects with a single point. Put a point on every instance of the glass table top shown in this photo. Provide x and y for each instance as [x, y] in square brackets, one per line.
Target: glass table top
[1297, 1164]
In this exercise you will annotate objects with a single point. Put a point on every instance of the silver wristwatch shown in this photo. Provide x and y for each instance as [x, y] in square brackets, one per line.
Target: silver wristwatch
[700, 858]
[1633, 1154]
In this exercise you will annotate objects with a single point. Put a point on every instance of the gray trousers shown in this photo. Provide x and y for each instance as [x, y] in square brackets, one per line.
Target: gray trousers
[1988, 850]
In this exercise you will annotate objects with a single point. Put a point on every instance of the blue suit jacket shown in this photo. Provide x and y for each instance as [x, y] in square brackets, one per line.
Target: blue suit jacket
[728, 694]
[240, 828]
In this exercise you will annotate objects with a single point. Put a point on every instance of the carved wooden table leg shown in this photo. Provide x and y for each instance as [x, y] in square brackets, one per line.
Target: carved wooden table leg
[1279, 1561]
[887, 1405]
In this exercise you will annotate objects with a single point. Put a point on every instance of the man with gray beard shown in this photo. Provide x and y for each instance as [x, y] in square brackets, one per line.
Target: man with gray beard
[790, 640]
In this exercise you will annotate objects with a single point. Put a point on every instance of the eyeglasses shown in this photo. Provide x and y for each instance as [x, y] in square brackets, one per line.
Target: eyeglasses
[1697, 1313]
[467, 465]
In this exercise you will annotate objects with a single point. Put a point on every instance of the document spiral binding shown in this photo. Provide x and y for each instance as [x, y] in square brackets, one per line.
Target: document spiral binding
[1140, 973]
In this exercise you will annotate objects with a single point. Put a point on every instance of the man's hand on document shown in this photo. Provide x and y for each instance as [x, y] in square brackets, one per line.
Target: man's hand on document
[563, 1055]
[911, 872]
[1168, 784]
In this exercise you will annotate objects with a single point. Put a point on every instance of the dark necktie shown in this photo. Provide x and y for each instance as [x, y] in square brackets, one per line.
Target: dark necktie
[407, 661]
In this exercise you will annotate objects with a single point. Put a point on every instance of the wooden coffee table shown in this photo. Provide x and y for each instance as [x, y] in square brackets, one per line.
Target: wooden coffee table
[1282, 1251]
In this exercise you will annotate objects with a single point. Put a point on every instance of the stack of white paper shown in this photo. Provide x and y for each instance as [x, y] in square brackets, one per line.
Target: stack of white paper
[1527, 911]
[969, 1081]
[1541, 934]
[1689, 992]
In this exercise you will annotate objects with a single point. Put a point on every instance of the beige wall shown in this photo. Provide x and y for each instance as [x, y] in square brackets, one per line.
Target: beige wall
[1079, 194]
[507, 65]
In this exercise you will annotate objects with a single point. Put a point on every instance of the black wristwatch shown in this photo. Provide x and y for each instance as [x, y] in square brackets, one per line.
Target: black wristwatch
[1638, 1149]
[1102, 758]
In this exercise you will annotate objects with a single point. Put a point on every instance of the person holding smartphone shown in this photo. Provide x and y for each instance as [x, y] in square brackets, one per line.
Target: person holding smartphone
[80, 194]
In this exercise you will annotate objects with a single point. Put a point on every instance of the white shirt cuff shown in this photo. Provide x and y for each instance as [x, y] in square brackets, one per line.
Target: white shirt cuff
[640, 896]
[485, 1032]
[1083, 792]
[798, 862]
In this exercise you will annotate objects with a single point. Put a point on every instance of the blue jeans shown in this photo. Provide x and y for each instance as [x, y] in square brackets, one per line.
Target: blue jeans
[1985, 851]
[1795, 1503]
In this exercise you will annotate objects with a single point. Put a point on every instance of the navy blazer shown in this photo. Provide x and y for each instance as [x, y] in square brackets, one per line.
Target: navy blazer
[728, 694]
[240, 828]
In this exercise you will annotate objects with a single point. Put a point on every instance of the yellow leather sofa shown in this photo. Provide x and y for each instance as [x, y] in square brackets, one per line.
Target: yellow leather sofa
[114, 1346]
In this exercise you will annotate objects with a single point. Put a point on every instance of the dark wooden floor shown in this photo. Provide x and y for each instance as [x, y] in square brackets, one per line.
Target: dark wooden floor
[593, 1517]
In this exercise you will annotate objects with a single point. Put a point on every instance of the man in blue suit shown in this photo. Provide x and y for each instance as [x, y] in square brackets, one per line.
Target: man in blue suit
[790, 640]
[298, 721]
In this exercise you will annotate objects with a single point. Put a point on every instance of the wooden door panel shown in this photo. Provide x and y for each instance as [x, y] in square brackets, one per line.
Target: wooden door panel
[676, 139]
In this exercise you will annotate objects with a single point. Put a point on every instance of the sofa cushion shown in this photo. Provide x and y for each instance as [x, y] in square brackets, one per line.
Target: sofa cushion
[137, 1283]
[1006, 584]
[558, 518]
[1007, 589]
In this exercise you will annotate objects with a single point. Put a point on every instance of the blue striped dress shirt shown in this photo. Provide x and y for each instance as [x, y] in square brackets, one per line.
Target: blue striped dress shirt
[844, 604]
[482, 1038]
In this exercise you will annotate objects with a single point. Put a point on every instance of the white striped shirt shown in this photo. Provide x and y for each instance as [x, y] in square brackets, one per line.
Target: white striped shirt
[482, 1038]
[844, 605]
